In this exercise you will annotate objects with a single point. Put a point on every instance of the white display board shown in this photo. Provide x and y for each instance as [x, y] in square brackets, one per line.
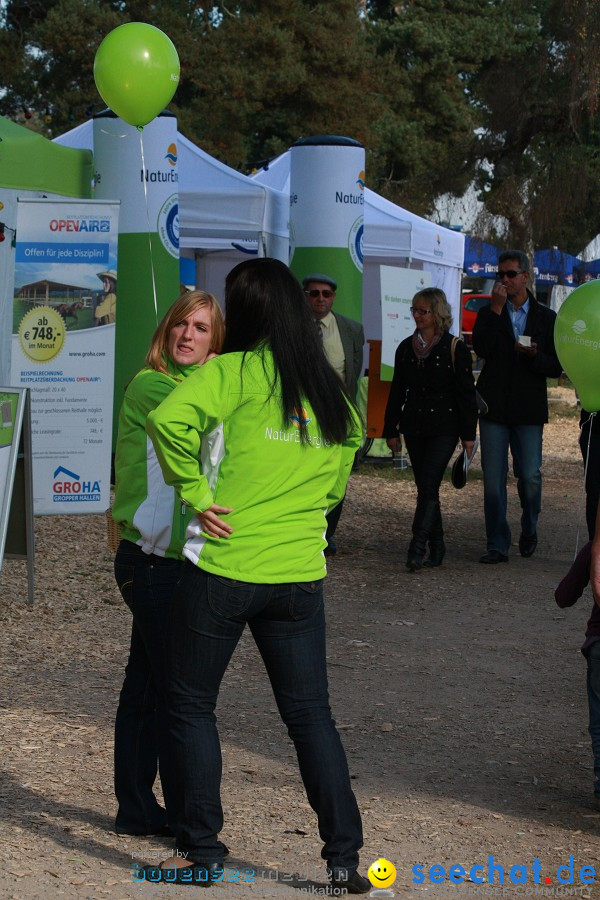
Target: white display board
[63, 351]
[398, 287]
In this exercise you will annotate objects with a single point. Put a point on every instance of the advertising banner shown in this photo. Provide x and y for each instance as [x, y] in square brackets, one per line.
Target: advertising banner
[398, 287]
[327, 184]
[64, 313]
[141, 170]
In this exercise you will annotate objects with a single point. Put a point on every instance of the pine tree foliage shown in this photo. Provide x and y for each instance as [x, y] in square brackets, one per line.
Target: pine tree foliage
[537, 153]
[274, 71]
[429, 52]
[440, 92]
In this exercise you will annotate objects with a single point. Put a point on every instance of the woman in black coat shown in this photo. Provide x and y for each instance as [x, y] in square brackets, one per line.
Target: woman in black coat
[432, 403]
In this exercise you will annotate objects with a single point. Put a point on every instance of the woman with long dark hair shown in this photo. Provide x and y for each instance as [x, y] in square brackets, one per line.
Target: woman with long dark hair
[290, 435]
[148, 562]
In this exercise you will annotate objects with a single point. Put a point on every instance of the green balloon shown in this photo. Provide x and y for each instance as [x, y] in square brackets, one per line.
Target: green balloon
[577, 342]
[136, 70]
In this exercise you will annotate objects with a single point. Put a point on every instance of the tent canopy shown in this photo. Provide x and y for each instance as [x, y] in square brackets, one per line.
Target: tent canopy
[553, 266]
[395, 237]
[390, 231]
[592, 269]
[221, 209]
[218, 203]
[481, 258]
[218, 207]
[30, 162]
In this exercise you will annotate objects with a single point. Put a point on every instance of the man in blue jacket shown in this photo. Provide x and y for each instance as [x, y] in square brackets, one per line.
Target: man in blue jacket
[514, 336]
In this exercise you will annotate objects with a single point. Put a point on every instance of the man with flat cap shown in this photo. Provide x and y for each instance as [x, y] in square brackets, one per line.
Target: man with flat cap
[343, 341]
[343, 338]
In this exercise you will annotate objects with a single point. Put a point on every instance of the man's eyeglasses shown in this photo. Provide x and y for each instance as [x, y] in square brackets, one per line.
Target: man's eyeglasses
[314, 293]
[419, 312]
[509, 273]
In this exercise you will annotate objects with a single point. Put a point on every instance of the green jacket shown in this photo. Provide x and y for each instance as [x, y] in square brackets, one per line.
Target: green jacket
[279, 489]
[146, 508]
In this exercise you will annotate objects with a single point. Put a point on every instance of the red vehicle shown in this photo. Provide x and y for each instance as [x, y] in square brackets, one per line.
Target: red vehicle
[471, 304]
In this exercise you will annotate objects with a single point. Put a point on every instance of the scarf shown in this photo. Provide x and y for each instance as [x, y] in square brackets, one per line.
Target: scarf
[422, 350]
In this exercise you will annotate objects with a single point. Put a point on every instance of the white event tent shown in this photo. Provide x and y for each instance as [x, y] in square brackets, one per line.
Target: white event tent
[392, 237]
[222, 213]
[592, 250]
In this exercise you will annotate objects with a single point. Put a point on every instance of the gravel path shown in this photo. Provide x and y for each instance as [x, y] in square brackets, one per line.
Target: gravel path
[460, 694]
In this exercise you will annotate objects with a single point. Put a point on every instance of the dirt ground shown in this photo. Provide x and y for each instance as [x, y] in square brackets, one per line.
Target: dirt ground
[459, 692]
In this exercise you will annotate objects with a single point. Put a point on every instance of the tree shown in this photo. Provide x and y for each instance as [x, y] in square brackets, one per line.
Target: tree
[440, 92]
[274, 71]
[255, 75]
[429, 53]
[47, 49]
[538, 151]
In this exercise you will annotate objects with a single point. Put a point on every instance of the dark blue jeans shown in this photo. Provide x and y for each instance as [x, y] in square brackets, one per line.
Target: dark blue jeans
[332, 523]
[593, 692]
[287, 622]
[147, 584]
[525, 442]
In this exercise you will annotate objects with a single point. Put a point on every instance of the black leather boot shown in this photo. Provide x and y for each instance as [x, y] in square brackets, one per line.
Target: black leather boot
[423, 522]
[437, 548]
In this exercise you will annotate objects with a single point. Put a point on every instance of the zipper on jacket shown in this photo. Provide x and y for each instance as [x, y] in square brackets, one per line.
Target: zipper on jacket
[182, 523]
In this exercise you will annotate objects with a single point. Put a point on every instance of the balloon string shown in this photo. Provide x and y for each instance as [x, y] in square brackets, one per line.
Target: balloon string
[585, 472]
[148, 222]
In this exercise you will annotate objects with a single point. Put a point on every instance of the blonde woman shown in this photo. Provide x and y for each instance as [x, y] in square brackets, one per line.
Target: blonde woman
[148, 562]
[432, 403]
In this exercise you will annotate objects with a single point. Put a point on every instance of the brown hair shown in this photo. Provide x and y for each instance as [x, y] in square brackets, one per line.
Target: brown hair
[442, 314]
[188, 303]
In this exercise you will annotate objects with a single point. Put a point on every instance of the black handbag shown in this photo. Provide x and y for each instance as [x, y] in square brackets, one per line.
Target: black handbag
[459, 471]
[460, 467]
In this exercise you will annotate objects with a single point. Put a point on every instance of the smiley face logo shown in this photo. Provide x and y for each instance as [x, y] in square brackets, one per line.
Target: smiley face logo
[382, 873]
